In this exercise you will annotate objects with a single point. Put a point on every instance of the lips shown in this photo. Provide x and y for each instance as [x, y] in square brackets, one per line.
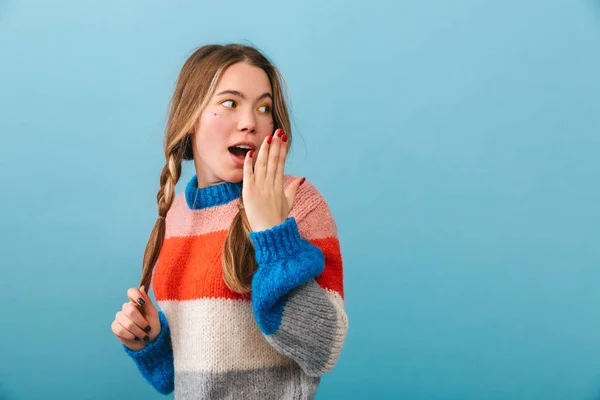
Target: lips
[247, 145]
[239, 151]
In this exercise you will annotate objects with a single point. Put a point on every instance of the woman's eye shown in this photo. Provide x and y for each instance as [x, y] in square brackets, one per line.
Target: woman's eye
[265, 109]
[228, 104]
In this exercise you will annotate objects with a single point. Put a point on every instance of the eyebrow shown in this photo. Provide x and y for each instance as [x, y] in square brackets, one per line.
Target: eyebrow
[241, 95]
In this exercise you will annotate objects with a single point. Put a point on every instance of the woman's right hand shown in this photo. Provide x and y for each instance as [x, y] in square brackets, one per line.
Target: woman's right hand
[132, 328]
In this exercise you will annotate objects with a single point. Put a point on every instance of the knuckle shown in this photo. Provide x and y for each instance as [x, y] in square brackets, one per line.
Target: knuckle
[124, 333]
[129, 310]
[118, 330]
[129, 324]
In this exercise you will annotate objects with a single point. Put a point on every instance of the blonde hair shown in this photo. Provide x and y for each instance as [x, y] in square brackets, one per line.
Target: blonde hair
[195, 86]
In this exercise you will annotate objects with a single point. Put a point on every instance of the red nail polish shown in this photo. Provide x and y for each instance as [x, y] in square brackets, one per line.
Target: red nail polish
[279, 132]
[302, 181]
[269, 139]
[284, 138]
[251, 153]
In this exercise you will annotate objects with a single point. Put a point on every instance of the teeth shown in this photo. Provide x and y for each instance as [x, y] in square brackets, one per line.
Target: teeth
[243, 146]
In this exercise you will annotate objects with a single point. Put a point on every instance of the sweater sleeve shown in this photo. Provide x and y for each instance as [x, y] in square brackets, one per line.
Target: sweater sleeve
[297, 290]
[155, 361]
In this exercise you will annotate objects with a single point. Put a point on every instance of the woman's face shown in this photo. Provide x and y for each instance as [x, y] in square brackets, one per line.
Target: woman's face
[238, 114]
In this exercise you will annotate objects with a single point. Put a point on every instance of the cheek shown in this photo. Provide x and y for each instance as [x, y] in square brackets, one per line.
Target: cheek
[213, 131]
[216, 124]
[261, 137]
[219, 126]
[264, 128]
[211, 135]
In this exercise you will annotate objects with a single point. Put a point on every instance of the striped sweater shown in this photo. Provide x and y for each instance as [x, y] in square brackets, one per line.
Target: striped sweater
[274, 343]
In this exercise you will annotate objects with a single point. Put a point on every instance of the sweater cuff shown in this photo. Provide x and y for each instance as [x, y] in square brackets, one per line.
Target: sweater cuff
[155, 351]
[279, 242]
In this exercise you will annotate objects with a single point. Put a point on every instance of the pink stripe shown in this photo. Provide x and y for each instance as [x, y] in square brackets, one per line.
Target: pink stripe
[315, 224]
[181, 221]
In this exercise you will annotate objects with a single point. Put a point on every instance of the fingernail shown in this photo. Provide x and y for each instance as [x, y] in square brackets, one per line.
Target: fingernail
[141, 301]
[279, 132]
[302, 181]
[146, 338]
[137, 338]
[147, 329]
[269, 139]
[284, 138]
[251, 153]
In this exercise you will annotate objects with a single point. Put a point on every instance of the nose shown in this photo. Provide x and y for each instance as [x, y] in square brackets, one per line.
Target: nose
[247, 122]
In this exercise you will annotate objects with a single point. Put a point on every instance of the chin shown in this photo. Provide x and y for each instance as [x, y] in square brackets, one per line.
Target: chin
[234, 176]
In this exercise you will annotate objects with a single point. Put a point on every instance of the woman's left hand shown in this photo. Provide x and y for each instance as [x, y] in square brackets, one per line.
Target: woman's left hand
[266, 202]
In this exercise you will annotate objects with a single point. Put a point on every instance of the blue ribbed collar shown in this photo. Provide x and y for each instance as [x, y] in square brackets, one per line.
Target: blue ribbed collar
[211, 196]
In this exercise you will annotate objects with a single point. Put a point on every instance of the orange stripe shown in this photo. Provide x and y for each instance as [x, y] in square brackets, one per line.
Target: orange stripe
[333, 274]
[189, 267]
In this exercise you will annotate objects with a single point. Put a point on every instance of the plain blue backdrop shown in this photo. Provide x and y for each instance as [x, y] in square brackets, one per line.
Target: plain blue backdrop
[457, 143]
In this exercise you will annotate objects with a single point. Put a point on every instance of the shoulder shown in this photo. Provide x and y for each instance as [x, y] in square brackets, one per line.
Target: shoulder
[310, 208]
[178, 206]
[308, 195]
[177, 215]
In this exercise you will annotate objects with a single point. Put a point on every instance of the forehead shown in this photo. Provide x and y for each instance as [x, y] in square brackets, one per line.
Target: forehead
[245, 78]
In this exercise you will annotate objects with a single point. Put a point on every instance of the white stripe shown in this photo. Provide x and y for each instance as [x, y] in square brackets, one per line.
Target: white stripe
[218, 335]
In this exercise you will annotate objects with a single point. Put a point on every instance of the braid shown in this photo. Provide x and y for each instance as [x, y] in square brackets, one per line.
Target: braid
[239, 262]
[169, 177]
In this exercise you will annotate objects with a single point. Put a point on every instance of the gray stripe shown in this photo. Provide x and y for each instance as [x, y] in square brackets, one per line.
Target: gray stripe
[279, 383]
[308, 329]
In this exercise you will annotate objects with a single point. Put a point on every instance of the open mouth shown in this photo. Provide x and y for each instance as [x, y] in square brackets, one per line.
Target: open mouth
[239, 151]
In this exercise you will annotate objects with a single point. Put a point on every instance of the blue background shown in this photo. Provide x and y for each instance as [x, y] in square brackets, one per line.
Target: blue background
[457, 144]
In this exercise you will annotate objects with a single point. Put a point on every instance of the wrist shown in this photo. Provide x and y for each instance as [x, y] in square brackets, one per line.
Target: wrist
[280, 242]
[265, 225]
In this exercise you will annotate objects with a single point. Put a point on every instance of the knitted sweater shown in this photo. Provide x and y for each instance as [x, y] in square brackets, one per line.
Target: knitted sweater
[274, 343]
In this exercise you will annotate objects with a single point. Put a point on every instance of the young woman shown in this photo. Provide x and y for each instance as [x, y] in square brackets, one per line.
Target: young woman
[246, 264]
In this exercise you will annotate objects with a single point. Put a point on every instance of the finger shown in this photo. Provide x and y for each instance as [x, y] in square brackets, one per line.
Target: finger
[136, 296]
[248, 173]
[149, 308]
[260, 168]
[122, 333]
[283, 151]
[141, 301]
[274, 155]
[292, 190]
[131, 326]
[133, 313]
